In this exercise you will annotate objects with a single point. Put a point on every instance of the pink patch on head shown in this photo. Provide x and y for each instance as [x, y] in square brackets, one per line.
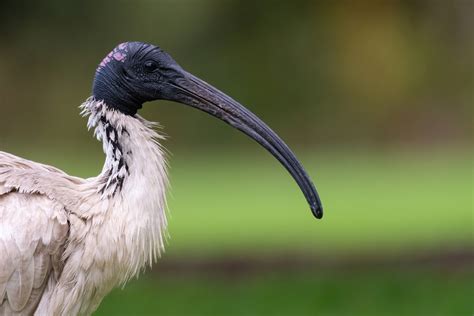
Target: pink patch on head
[119, 54]
[104, 61]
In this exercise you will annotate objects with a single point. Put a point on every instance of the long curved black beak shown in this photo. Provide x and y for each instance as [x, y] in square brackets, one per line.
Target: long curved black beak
[190, 90]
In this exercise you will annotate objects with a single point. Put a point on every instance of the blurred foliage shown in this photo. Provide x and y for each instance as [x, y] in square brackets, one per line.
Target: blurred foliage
[319, 73]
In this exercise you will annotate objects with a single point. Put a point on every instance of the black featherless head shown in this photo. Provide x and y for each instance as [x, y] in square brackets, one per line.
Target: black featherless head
[131, 74]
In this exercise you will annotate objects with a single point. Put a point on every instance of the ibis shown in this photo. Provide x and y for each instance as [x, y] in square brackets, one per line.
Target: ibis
[65, 242]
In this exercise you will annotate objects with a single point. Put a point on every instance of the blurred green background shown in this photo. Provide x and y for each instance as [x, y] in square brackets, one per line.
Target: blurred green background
[375, 98]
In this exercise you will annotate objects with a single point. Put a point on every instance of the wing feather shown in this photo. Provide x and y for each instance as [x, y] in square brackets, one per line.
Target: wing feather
[26, 176]
[33, 232]
[42, 268]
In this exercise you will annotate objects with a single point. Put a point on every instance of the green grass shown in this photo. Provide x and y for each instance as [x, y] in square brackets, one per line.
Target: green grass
[223, 203]
[378, 201]
[376, 292]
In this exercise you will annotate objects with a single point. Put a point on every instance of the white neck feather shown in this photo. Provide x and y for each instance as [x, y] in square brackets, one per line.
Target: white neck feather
[122, 214]
[134, 180]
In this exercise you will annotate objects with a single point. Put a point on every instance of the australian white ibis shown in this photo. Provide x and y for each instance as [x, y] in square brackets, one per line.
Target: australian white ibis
[65, 242]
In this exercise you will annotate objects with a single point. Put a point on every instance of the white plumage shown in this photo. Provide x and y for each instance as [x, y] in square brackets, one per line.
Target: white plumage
[65, 242]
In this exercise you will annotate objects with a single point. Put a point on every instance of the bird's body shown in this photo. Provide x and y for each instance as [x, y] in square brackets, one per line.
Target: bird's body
[65, 242]
[75, 239]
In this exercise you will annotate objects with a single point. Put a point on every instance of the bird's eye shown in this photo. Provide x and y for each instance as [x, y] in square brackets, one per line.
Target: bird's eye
[150, 66]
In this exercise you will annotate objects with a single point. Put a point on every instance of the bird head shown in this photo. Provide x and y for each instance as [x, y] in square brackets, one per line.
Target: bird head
[134, 73]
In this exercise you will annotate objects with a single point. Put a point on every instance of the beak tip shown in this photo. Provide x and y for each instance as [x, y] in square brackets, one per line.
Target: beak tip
[317, 210]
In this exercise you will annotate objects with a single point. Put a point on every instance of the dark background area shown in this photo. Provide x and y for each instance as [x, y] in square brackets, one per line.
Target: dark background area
[375, 97]
[374, 73]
